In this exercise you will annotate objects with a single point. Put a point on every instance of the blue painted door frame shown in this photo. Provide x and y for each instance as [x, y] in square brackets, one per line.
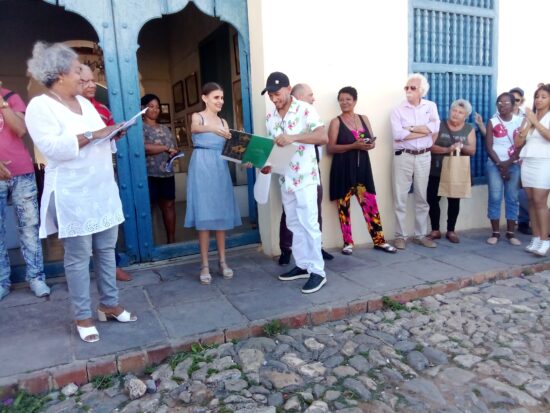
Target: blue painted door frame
[118, 24]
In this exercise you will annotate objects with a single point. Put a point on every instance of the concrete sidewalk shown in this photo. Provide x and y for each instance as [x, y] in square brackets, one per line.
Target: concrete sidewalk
[40, 348]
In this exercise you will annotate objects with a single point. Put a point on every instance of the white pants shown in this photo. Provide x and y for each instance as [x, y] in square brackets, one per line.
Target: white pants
[411, 169]
[301, 219]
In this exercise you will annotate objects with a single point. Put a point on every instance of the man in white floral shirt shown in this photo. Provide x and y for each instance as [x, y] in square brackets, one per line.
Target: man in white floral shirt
[296, 122]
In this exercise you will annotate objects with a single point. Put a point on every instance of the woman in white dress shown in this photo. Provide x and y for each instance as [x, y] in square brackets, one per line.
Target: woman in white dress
[80, 199]
[535, 168]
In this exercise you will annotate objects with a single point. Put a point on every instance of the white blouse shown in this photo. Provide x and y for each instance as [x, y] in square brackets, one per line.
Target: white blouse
[537, 146]
[81, 180]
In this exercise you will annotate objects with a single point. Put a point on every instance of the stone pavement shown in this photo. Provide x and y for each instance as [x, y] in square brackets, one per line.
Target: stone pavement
[477, 350]
[40, 349]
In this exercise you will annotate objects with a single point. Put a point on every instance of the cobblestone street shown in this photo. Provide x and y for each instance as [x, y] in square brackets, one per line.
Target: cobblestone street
[480, 349]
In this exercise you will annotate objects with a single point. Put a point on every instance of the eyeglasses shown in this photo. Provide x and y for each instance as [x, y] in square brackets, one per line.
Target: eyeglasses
[87, 81]
[413, 88]
[504, 103]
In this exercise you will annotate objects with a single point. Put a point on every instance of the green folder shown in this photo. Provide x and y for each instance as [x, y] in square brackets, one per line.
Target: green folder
[258, 151]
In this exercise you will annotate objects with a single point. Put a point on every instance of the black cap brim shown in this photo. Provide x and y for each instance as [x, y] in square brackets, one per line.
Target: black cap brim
[271, 89]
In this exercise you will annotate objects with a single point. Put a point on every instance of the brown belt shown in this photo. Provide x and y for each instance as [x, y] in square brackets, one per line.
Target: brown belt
[410, 151]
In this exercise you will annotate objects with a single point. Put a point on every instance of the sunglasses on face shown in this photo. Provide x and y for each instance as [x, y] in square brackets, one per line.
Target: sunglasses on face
[407, 88]
[517, 100]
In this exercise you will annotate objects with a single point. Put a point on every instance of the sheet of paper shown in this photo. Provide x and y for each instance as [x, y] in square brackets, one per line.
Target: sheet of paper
[122, 127]
[280, 157]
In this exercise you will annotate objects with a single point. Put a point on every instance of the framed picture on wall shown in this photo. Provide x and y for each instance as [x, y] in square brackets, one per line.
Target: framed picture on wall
[164, 115]
[238, 104]
[192, 89]
[180, 130]
[177, 92]
[236, 53]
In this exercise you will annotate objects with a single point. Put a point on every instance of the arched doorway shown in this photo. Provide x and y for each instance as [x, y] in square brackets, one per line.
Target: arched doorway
[177, 53]
[115, 27]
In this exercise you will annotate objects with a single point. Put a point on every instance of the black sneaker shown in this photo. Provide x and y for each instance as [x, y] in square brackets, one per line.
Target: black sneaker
[326, 255]
[284, 259]
[294, 274]
[314, 283]
[523, 227]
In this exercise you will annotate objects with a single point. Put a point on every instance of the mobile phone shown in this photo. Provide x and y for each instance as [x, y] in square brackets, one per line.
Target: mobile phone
[370, 140]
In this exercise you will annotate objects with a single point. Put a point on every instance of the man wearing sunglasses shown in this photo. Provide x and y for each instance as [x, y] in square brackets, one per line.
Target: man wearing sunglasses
[415, 123]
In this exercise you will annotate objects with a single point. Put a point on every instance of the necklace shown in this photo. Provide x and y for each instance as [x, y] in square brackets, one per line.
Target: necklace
[59, 98]
[354, 126]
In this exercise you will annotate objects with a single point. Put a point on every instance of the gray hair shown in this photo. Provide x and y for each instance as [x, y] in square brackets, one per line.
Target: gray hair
[464, 104]
[298, 89]
[424, 85]
[49, 61]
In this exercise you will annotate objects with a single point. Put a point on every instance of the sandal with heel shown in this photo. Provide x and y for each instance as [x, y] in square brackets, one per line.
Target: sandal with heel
[225, 271]
[123, 317]
[205, 276]
[86, 332]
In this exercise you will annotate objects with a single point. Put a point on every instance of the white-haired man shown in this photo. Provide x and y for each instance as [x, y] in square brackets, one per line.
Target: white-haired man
[415, 123]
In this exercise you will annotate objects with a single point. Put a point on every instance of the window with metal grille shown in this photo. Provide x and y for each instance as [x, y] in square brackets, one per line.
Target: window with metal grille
[453, 43]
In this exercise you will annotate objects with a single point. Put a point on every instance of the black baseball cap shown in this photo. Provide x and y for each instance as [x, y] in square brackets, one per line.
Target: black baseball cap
[275, 81]
[517, 90]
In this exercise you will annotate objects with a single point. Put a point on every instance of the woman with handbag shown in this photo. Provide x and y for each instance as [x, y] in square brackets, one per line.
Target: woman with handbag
[503, 171]
[535, 169]
[454, 135]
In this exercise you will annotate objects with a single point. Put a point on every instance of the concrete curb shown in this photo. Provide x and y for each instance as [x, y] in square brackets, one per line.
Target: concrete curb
[135, 361]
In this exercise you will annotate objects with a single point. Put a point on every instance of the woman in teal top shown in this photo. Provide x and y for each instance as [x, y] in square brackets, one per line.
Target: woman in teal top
[211, 204]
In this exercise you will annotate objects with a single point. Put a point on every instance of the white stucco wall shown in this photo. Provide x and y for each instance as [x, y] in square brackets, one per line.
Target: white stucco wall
[359, 43]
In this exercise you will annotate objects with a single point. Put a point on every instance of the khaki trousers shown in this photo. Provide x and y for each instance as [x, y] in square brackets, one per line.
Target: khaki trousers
[411, 169]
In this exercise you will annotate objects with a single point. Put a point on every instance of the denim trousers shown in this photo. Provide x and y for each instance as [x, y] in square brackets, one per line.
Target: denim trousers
[23, 192]
[498, 187]
[101, 246]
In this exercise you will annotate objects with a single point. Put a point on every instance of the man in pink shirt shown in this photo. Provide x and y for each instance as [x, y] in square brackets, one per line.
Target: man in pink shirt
[18, 183]
[415, 123]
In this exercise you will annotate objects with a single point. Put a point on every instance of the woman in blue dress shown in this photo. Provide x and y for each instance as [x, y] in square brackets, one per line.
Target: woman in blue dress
[211, 204]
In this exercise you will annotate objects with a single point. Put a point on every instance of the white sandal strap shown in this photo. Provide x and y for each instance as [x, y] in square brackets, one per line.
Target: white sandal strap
[125, 317]
[85, 332]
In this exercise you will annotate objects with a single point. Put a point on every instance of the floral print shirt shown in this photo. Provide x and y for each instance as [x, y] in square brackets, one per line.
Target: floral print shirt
[301, 117]
[156, 164]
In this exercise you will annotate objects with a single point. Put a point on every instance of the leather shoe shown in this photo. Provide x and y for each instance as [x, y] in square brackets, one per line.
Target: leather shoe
[425, 242]
[435, 234]
[122, 275]
[400, 243]
[326, 256]
[452, 237]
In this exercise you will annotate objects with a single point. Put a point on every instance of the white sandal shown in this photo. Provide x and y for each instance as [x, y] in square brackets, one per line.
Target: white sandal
[86, 332]
[123, 317]
[225, 271]
[205, 276]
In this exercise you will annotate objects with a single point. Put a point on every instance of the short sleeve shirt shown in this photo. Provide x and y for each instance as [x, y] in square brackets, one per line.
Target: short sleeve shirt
[12, 147]
[303, 169]
[161, 135]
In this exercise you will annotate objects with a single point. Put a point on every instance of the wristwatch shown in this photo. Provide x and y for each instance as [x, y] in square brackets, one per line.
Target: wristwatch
[89, 135]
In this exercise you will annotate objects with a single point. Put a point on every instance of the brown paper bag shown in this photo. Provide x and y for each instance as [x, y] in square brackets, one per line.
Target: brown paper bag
[455, 179]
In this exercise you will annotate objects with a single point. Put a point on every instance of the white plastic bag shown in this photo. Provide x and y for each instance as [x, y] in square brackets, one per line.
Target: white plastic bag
[261, 187]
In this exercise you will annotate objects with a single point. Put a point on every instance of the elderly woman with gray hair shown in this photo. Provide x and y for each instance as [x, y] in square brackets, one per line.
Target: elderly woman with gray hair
[80, 199]
[454, 133]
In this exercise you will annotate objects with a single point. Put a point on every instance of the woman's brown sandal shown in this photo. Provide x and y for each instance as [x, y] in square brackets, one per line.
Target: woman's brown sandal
[512, 239]
[492, 240]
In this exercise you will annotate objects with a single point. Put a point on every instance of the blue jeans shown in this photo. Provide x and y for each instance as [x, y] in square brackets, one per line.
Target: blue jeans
[23, 192]
[497, 187]
[523, 216]
[101, 246]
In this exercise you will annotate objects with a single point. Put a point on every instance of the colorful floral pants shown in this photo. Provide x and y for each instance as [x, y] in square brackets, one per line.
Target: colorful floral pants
[370, 212]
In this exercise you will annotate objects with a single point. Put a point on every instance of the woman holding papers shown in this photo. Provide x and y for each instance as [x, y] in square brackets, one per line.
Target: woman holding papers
[211, 204]
[80, 199]
[349, 139]
[160, 146]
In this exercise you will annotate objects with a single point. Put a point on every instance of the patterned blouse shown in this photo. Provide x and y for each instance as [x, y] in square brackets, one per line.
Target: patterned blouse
[160, 135]
[303, 169]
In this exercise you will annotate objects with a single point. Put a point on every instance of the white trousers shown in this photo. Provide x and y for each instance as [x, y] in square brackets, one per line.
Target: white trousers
[302, 220]
[411, 169]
